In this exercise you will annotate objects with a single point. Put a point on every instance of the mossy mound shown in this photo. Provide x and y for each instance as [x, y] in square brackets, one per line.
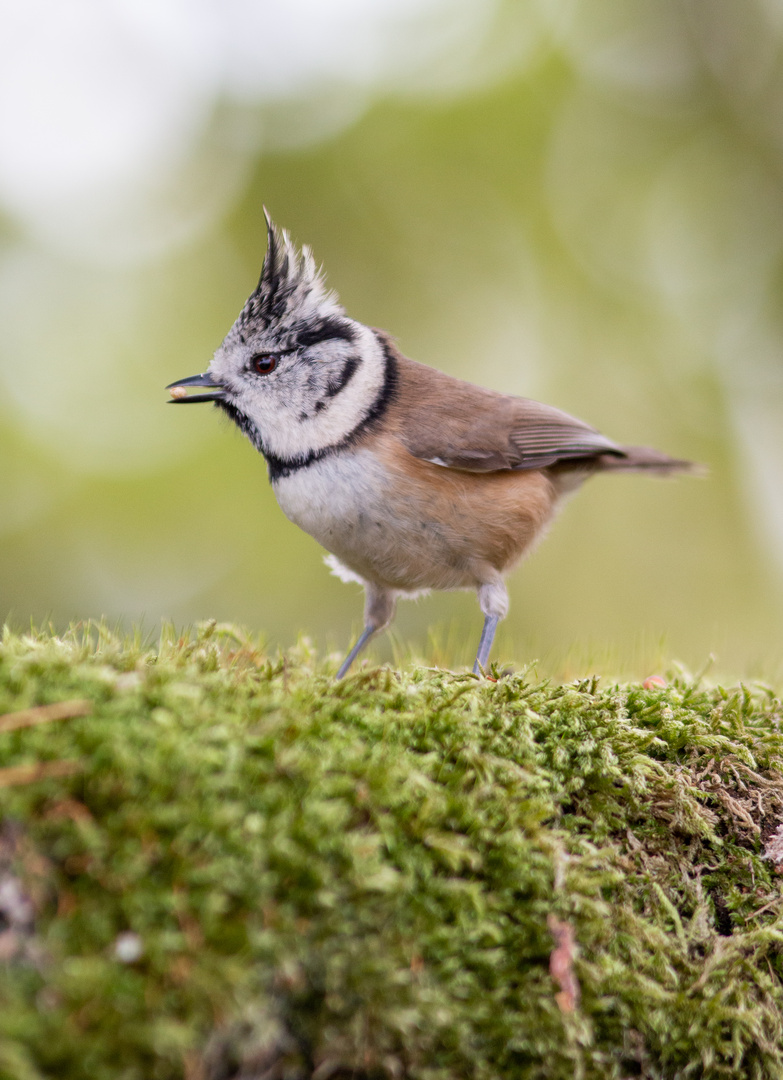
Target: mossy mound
[236, 868]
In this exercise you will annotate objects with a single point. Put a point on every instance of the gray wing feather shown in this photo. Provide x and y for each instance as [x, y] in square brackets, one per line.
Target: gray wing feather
[553, 436]
[460, 426]
[523, 435]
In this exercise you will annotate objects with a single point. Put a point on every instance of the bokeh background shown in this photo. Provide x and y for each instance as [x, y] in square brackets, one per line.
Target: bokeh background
[575, 200]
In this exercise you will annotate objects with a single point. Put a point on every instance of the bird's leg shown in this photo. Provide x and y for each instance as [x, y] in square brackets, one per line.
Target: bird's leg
[493, 600]
[485, 644]
[364, 637]
[378, 613]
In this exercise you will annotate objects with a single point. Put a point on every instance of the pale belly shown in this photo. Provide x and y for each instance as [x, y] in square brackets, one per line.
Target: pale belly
[347, 505]
[427, 530]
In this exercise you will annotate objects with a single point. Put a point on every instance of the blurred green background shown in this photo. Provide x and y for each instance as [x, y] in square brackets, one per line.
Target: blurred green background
[580, 202]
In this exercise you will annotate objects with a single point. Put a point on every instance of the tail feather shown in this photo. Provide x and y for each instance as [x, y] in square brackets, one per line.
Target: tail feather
[644, 459]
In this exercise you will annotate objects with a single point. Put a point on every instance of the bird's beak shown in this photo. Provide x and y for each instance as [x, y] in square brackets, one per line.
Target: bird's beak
[180, 397]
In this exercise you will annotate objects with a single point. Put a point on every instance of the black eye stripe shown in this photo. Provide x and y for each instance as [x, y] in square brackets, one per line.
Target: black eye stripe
[329, 328]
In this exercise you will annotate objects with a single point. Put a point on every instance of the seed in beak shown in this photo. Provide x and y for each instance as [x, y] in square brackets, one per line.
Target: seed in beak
[178, 392]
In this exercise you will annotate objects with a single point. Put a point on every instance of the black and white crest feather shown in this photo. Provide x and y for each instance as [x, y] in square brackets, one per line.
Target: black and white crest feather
[291, 289]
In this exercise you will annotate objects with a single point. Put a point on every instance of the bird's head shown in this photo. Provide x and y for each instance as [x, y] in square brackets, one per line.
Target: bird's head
[295, 373]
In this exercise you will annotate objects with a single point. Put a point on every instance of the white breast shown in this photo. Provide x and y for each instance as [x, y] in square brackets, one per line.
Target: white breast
[348, 504]
[339, 500]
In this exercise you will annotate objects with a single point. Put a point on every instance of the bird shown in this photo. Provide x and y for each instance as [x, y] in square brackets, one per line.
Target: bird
[411, 479]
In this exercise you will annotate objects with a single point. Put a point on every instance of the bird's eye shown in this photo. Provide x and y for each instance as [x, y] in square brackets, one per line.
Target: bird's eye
[264, 363]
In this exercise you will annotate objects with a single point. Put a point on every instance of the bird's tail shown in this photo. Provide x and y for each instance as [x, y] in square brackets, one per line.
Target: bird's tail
[643, 459]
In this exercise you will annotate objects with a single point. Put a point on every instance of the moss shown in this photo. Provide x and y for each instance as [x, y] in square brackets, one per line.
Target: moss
[260, 873]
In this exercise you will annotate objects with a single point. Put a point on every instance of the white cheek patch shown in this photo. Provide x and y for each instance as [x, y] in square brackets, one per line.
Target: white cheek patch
[291, 428]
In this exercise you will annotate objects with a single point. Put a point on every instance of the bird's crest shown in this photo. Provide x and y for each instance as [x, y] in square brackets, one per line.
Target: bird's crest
[291, 287]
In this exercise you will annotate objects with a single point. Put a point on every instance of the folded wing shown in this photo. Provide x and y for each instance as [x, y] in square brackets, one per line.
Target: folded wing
[461, 426]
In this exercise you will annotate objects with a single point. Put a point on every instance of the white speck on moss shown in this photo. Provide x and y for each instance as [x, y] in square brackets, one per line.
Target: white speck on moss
[128, 947]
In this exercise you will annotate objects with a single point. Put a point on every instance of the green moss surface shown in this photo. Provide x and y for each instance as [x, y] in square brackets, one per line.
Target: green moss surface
[360, 879]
